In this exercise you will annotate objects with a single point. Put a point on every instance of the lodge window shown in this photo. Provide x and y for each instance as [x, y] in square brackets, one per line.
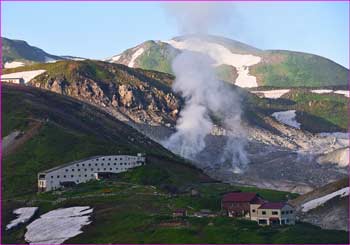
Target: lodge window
[92, 175]
[108, 164]
[51, 177]
[83, 165]
[114, 164]
[89, 164]
[85, 169]
[58, 176]
[290, 211]
[98, 169]
[116, 168]
[110, 169]
[92, 169]
[78, 169]
[283, 212]
[64, 176]
[274, 212]
[104, 169]
[72, 169]
[72, 176]
[95, 164]
[85, 175]
[101, 164]
[263, 212]
[103, 159]
[77, 165]
[66, 170]
[253, 210]
[109, 159]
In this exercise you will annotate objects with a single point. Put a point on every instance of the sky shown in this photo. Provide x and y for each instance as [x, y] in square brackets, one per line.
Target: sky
[99, 30]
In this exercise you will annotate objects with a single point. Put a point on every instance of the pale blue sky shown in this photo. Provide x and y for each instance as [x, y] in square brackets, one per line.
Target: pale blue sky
[102, 29]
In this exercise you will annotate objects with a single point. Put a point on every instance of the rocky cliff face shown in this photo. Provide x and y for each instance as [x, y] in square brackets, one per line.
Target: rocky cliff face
[132, 97]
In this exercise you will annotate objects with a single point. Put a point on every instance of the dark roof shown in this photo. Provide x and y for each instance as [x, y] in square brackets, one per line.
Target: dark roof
[180, 210]
[239, 197]
[273, 205]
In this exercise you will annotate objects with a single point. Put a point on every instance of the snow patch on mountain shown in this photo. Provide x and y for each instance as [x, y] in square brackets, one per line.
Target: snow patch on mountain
[222, 55]
[26, 75]
[328, 91]
[13, 64]
[346, 93]
[287, 117]
[58, 225]
[134, 56]
[23, 215]
[271, 94]
[321, 200]
[115, 58]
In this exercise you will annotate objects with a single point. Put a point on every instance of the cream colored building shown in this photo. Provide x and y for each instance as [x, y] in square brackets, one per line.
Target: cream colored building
[275, 214]
[86, 169]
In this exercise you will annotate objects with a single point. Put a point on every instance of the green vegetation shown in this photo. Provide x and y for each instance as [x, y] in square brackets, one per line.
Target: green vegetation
[293, 69]
[18, 50]
[157, 57]
[316, 112]
[136, 206]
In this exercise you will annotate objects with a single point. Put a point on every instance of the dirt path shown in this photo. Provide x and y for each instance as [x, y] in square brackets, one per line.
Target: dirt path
[17, 139]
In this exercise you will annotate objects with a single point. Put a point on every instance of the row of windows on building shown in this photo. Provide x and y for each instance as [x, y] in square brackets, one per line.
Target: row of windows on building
[109, 159]
[105, 169]
[102, 164]
[275, 212]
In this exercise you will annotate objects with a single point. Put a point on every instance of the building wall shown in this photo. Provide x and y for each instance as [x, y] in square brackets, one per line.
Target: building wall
[236, 209]
[288, 215]
[254, 211]
[79, 172]
[266, 214]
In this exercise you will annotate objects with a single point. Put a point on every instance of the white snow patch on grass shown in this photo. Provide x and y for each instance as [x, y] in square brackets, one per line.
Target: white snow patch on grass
[287, 117]
[58, 225]
[322, 91]
[222, 55]
[24, 214]
[134, 57]
[13, 64]
[321, 200]
[272, 94]
[26, 75]
[328, 91]
[343, 92]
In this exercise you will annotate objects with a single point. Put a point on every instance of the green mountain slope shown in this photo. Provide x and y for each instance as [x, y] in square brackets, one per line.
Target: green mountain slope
[296, 69]
[277, 68]
[146, 96]
[18, 50]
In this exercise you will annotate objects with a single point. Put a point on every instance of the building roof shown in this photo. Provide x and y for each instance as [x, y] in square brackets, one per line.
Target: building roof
[239, 197]
[180, 210]
[273, 205]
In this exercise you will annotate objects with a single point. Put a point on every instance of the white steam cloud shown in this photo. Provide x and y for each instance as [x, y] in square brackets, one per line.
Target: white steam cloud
[206, 98]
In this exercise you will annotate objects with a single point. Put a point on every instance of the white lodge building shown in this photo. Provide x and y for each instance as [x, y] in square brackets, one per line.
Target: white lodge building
[86, 169]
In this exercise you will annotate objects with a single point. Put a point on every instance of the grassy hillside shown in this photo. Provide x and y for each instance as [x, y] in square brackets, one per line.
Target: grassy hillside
[135, 207]
[18, 50]
[295, 69]
[316, 112]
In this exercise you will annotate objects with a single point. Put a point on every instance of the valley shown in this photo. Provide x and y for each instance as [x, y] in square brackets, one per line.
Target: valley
[295, 140]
